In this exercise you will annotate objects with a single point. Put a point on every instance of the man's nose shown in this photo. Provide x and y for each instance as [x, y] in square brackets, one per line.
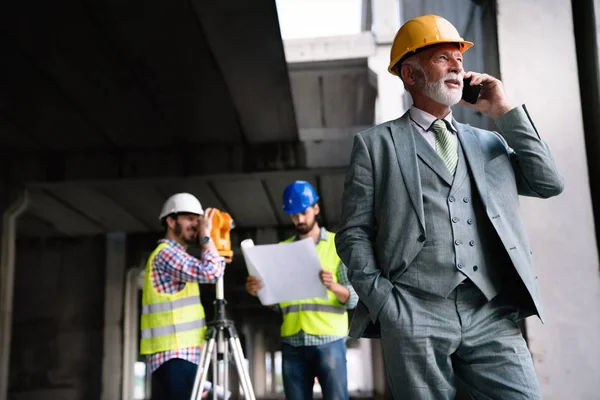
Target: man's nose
[456, 66]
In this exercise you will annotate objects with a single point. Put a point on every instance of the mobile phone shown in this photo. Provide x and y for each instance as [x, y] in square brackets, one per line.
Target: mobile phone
[470, 93]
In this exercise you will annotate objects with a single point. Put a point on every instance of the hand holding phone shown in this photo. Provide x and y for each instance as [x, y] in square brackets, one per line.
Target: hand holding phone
[486, 95]
[470, 93]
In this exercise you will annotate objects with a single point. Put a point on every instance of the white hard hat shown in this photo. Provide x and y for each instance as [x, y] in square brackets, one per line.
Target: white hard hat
[181, 203]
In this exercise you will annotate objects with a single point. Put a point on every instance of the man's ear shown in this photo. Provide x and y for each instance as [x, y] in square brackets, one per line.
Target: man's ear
[406, 72]
[171, 221]
[317, 209]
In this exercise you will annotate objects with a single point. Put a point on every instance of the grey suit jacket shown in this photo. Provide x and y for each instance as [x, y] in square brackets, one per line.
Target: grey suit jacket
[382, 226]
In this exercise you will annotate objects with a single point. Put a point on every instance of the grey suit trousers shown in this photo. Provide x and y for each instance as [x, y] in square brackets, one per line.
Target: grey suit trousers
[429, 342]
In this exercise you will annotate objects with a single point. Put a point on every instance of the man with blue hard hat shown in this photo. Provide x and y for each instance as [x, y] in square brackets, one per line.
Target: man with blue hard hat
[314, 330]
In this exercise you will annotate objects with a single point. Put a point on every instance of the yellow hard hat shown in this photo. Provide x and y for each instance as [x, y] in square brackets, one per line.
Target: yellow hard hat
[423, 31]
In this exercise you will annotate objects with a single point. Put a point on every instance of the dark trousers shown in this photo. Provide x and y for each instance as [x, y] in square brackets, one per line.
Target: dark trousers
[325, 362]
[174, 380]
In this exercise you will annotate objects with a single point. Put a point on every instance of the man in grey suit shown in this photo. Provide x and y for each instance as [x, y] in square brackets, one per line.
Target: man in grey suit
[431, 230]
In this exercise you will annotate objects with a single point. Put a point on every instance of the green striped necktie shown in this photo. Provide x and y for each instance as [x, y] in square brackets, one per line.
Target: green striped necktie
[445, 146]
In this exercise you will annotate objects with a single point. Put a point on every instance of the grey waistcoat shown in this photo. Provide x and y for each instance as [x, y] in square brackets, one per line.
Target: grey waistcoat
[460, 241]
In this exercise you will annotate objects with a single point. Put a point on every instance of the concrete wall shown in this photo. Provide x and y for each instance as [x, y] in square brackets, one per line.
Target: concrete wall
[539, 67]
[56, 350]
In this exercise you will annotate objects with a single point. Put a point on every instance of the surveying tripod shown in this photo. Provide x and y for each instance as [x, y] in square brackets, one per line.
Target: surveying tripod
[221, 339]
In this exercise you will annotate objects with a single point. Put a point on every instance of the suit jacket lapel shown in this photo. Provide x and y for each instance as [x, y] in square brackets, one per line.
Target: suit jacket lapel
[430, 157]
[404, 144]
[474, 157]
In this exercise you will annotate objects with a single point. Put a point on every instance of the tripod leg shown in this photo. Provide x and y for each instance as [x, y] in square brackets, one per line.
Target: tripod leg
[225, 365]
[215, 363]
[203, 365]
[198, 378]
[245, 381]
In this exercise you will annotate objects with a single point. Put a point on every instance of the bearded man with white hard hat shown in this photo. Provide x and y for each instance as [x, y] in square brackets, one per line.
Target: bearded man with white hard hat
[172, 322]
[431, 230]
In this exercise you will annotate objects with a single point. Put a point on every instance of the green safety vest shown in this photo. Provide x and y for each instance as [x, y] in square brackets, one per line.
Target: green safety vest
[317, 316]
[170, 321]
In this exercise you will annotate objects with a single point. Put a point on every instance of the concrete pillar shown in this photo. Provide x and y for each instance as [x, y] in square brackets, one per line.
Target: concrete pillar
[390, 90]
[379, 376]
[134, 279]
[5, 307]
[366, 353]
[273, 374]
[257, 362]
[385, 16]
[11, 210]
[112, 362]
[538, 67]
[234, 382]
[586, 20]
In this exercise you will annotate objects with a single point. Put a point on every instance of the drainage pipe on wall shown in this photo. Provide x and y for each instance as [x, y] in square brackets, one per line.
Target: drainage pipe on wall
[7, 275]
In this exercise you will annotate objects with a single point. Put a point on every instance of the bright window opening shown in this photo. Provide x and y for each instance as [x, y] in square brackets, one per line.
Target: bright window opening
[300, 19]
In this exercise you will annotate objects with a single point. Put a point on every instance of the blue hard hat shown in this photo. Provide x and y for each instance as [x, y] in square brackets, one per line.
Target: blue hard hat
[298, 196]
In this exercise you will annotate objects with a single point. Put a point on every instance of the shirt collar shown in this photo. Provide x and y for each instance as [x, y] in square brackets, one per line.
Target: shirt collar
[426, 120]
[322, 236]
[171, 243]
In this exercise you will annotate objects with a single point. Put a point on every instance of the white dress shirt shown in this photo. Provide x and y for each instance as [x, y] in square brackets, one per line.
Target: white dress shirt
[423, 121]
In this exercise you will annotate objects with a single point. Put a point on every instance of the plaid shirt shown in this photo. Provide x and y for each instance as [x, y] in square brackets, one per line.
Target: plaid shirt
[172, 268]
[304, 339]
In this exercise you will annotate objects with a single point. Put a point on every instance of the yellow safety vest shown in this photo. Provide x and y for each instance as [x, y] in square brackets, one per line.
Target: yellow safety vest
[317, 316]
[170, 321]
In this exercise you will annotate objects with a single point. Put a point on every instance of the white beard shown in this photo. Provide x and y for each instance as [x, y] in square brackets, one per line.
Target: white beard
[438, 91]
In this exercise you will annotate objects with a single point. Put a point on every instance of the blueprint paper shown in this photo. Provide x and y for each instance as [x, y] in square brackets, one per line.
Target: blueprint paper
[288, 271]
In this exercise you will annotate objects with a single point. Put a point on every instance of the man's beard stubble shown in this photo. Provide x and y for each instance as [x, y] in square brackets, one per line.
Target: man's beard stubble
[304, 229]
[179, 234]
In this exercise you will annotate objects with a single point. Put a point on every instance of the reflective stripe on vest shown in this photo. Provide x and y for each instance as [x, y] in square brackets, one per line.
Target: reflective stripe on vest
[170, 321]
[172, 329]
[317, 316]
[313, 307]
[171, 305]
